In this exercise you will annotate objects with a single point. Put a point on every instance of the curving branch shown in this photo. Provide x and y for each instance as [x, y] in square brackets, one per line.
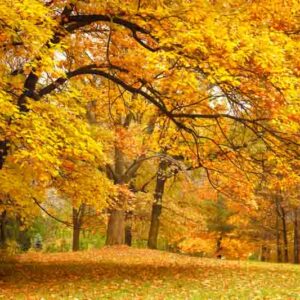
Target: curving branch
[155, 99]
[88, 70]
[50, 215]
[217, 116]
[75, 22]
[94, 70]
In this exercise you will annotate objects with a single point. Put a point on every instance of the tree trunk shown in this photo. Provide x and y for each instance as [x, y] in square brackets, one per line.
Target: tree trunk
[128, 228]
[3, 229]
[219, 245]
[296, 237]
[115, 233]
[284, 235]
[128, 235]
[154, 226]
[157, 205]
[76, 230]
[278, 246]
[3, 152]
[281, 213]
[264, 253]
[116, 228]
[76, 235]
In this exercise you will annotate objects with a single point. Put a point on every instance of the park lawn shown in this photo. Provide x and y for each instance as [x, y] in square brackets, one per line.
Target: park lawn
[127, 273]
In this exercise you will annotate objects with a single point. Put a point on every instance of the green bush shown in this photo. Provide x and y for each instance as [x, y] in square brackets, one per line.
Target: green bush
[89, 240]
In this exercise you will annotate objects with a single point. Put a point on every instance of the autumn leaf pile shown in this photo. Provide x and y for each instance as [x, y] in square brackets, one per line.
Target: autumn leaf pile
[124, 273]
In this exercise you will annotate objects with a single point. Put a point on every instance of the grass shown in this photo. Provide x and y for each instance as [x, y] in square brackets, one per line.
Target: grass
[124, 273]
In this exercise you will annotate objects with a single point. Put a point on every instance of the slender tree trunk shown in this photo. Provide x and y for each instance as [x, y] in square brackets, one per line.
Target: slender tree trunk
[76, 230]
[219, 245]
[3, 229]
[296, 237]
[154, 226]
[264, 253]
[116, 228]
[281, 213]
[76, 238]
[284, 236]
[128, 235]
[78, 215]
[278, 246]
[3, 152]
[157, 205]
[128, 228]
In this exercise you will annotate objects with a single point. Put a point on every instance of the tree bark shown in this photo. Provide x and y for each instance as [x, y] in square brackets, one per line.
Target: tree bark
[128, 228]
[76, 239]
[115, 233]
[282, 215]
[76, 230]
[128, 235]
[3, 152]
[264, 253]
[116, 228]
[78, 215]
[219, 245]
[278, 245]
[284, 235]
[157, 204]
[154, 226]
[296, 237]
[3, 229]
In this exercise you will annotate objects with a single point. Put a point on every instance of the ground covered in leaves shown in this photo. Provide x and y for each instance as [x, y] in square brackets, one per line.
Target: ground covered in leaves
[124, 273]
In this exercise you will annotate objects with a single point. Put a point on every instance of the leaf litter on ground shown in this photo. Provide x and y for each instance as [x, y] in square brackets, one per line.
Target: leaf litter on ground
[128, 273]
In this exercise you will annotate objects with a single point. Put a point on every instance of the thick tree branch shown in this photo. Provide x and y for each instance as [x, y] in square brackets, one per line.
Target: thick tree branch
[78, 21]
[217, 116]
[29, 91]
[148, 95]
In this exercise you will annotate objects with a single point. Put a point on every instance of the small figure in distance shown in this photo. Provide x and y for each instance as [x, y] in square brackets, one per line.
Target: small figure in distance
[38, 242]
